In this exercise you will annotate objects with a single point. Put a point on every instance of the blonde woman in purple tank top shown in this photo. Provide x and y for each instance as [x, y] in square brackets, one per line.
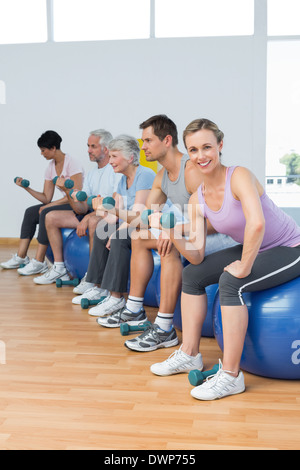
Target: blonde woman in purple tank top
[267, 255]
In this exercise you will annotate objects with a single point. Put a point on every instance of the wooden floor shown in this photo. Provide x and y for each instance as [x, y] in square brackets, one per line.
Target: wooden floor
[69, 384]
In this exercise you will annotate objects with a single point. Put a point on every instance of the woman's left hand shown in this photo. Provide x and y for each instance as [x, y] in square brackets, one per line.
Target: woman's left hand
[237, 269]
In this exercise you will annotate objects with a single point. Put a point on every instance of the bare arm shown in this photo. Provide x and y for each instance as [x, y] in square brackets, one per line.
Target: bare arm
[44, 197]
[248, 191]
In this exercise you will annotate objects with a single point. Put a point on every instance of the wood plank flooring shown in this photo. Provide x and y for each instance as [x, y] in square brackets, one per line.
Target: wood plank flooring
[69, 384]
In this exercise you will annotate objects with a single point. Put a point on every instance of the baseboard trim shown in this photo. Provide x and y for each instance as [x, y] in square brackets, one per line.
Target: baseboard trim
[15, 241]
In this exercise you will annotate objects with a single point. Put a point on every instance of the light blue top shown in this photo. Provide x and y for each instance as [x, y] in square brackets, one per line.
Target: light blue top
[143, 180]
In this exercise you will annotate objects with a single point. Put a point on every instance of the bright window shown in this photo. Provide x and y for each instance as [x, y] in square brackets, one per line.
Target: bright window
[283, 17]
[92, 20]
[23, 21]
[194, 18]
[283, 121]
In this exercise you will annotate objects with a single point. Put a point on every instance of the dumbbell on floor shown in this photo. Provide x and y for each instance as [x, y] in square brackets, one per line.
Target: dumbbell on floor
[69, 184]
[125, 329]
[73, 282]
[86, 303]
[24, 183]
[196, 377]
[167, 220]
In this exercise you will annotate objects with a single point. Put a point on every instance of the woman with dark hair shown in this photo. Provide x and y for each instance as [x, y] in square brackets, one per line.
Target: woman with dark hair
[64, 167]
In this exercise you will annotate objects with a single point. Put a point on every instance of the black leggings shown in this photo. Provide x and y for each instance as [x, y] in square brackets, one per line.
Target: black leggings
[270, 269]
[32, 218]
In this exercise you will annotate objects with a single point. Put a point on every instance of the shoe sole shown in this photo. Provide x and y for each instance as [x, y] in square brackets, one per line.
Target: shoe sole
[52, 282]
[44, 270]
[166, 374]
[217, 398]
[11, 267]
[167, 344]
[117, 325]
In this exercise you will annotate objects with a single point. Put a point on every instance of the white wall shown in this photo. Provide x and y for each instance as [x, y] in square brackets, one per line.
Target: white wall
[77, 87]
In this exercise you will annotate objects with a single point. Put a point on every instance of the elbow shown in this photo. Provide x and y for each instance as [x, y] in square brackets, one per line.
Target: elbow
[260, 227]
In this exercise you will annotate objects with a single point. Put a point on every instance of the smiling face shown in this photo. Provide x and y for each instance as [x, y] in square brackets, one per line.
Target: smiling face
[204, 149]
[118, 162]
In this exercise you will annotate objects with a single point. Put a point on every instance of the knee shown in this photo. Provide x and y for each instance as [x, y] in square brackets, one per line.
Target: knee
[52, 219]
[191, 281]
[92, 224]
[229, 289]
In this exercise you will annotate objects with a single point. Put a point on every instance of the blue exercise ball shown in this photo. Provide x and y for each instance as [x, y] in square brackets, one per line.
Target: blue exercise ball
[208, 329]
[65, 233]
[272, 344]
[77, 255]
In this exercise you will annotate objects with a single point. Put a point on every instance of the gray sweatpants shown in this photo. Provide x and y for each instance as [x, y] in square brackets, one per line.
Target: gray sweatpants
[110, 268]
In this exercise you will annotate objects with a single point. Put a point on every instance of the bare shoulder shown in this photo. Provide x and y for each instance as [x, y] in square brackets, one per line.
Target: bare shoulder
[193, 177]
[243, 180]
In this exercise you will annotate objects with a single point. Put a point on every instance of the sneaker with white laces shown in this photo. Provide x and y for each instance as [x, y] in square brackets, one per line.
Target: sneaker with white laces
[95, 293]
[178, 363]
[51, 276]
[220, 385]
[152, 339]
[14, 262]
[108, 306]
[33, 267]
[123, 315]
[83, 286]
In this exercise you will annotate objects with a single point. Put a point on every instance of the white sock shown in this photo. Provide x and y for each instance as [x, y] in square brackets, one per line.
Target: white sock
[60, 266]
[134, 304]
[164, 320]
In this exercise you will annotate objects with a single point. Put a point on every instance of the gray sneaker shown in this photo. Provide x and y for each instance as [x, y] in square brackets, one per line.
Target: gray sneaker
[152, 339]
[123, 315]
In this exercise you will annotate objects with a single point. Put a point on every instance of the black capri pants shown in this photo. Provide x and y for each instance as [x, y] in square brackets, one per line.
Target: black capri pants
[32, 219]
[271, 268]
[110, 268]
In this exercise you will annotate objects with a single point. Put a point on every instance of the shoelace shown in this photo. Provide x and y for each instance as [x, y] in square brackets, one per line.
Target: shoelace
[215, 378]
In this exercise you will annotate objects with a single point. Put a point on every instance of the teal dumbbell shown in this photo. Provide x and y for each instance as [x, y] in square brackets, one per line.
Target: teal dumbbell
[86, 303]
[73, 282]
[167, 220]
[196, 377]
[24, 183]
[125, 329]
[81, 196]
[90, 201]
[145, 216]
[108, 203]
[69, 184]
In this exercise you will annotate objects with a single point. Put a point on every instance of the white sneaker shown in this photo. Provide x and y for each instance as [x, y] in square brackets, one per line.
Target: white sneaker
[14, 262]
[108, 306]
[219, 386]
[83, 287]
[91, 294]
[33, 267]
[179, 362]
[51, 275]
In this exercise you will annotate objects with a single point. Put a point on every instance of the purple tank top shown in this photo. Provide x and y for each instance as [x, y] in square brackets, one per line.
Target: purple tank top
[280, 228]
